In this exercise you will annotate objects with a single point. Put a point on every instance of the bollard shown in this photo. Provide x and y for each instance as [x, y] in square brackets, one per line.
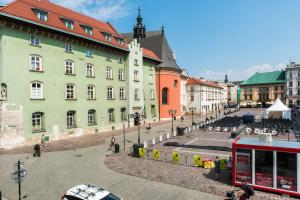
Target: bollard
[168, 135]
[160, 138]
[145, 146]
[174, 133]
[153, 141]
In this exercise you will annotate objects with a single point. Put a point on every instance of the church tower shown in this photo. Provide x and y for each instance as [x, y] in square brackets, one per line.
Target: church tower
[139, 30]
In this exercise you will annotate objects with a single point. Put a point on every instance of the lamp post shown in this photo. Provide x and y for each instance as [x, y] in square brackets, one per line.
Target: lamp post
[172, 113]
[206, 114]
[137, 118]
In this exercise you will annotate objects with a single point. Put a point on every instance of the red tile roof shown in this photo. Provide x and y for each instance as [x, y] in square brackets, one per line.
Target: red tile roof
[194, 81]
[23, 9]
[150, 54]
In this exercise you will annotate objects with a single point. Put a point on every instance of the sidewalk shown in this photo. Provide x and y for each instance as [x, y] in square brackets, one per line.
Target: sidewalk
[99, 138]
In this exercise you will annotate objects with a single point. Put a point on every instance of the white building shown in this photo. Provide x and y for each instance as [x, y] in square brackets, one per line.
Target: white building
[293, 84]
[183, 91]
[203, 96]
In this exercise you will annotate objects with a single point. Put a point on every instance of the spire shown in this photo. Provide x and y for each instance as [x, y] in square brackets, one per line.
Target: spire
[139, 30]
[162, 29]
[226, 79]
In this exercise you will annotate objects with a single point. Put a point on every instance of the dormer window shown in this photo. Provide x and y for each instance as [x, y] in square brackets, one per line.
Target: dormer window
[107, 36]
[69, 24]
[42, 15]
[87, 29]
[120, 41]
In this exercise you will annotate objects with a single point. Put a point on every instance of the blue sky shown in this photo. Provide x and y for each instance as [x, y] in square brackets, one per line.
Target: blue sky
[212, 38]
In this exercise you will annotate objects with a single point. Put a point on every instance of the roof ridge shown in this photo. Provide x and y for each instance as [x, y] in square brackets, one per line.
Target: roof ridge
[63, 15]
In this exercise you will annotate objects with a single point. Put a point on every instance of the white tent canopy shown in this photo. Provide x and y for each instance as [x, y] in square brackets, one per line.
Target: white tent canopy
[279, 107]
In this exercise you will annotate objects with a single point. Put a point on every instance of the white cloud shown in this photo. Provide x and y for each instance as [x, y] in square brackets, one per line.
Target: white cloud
[101, 9]
[238, 75]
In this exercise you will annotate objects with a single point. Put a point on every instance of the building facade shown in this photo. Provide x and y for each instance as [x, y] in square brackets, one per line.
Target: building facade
[293, 84]
[262, 89]
[183, 91]
[168, 73]
[72, 74]
[203, 96]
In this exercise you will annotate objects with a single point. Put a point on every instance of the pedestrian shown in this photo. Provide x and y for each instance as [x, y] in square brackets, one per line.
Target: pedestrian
[43, 141]
[37, 150]
[217, 167]
[112, 142]
[182, 118]
[229, 166]
[148, 127]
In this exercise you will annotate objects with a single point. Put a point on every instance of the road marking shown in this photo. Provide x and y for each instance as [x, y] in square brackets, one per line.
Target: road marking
[205, 153]
[190, 142]
[215, 140]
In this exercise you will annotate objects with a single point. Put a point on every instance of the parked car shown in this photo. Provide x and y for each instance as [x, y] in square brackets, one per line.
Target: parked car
[88, 192]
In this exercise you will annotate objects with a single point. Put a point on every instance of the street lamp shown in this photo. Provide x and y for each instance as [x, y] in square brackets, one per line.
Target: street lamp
[172, 113]
[206, 114]
[137, 118]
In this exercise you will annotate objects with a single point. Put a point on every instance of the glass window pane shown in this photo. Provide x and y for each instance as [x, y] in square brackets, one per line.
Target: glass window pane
[264, 168]
[287, 171]
[244, 165]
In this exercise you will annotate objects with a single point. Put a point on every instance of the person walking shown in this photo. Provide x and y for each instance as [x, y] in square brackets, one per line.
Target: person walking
[37, 150]
[217, 168]
[43, 141]
[112, 142]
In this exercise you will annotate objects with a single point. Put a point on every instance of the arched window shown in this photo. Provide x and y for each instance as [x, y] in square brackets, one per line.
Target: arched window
[37, 90]
[165, 96]
[37, 121]
[175, 83]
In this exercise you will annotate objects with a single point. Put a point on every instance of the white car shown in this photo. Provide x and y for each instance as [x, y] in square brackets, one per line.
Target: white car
[88, 192]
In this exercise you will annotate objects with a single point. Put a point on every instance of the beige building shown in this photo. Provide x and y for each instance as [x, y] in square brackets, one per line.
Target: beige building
[262, 89]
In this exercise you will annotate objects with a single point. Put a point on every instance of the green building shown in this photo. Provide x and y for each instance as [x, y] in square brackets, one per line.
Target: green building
[65, 73]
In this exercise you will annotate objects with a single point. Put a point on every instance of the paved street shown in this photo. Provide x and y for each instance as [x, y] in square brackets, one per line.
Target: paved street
[49, 176]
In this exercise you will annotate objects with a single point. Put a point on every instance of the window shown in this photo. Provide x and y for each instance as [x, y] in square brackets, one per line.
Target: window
[110, 93]
[298, 83]
[121, 74]
[107, 36]
[175, 83]
[298, 103]
[276, 88]
[111, 116]
[152, 94]
[290, 84]
[120, 41]
[89, 53]
[153, 111]
[136, 75]
[37, 90]
[136, 94]
[91, 117]
[264, 168]
[109, 73]
[282, 88]
[90, 70]
[91, 92]
[70, 91]
[291, 74]
[71, 116]
[136, 62]
[192, 97]
[192, 89]
[123, 114]
[88, 30]
[43, 16]
[298, 92]
[68, 48]
[36, 63]
[243, 165]
[69, 66]
[120, 60]
[108, 57]
[290, 92]
[34, 41]
[165, 93]
[122, 93]
[151, 79]
[287, 171]
[69, 24]
[37, 121]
